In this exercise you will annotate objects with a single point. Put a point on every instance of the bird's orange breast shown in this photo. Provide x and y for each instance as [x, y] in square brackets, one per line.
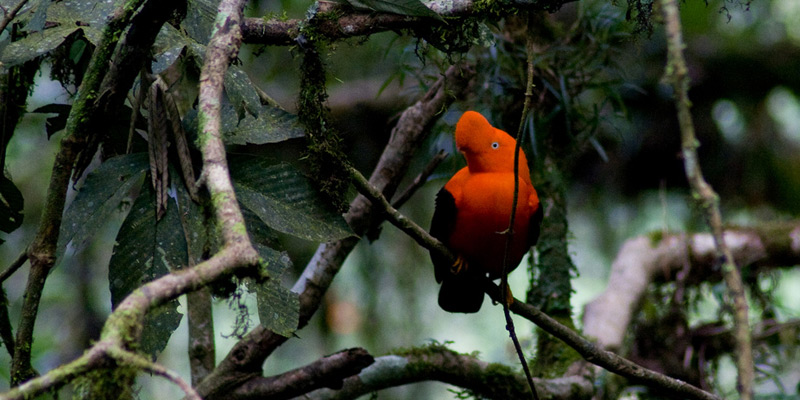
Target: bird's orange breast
[483, 202]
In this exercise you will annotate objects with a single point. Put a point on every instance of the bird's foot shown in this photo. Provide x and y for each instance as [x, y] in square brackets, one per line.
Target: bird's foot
[509, 296]
[459, 266]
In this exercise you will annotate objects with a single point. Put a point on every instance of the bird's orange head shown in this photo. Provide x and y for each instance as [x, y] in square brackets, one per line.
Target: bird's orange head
[486, 148]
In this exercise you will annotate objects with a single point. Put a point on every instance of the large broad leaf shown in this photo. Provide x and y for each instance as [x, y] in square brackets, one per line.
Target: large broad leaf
[278, 307]
[272, 125]
[99, 199]
[414, 8]
[200, 17]
[147, 249]
[254, 122]
[35, 45]
[284, 199]
[169, 45]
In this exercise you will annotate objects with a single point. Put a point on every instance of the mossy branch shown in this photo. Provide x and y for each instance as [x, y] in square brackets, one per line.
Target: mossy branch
[677, 75]
[437, 362]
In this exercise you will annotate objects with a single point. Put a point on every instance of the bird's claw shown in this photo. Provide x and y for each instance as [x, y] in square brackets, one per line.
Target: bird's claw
[459, 266]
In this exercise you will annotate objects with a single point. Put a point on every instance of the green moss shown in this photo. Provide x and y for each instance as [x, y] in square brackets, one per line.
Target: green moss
[553, 357]
[111, 383]
[655, 237]
[324, 147]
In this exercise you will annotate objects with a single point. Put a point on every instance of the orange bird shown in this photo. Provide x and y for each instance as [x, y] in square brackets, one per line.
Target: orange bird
[473, 211]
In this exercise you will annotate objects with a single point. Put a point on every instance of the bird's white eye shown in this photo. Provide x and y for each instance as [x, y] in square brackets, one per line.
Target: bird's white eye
[495, 145]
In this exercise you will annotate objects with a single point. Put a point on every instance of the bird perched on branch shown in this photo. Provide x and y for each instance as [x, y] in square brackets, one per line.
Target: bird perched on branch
[473, 211]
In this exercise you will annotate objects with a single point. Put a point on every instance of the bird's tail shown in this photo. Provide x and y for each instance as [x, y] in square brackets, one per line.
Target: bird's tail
[461, 294]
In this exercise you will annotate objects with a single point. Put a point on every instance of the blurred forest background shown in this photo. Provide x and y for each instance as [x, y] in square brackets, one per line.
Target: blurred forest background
[625, 179]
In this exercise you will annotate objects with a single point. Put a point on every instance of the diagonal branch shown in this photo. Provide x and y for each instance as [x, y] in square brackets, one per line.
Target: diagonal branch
[327, 372]
[640, 262]
[677, 74]
[587, 349]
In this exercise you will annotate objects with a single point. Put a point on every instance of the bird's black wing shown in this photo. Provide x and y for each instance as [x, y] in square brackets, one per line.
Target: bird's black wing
[442, 225]
[535, 226]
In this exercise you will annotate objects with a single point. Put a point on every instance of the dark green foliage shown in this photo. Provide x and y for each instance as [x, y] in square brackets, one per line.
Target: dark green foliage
[100, 198]
[247, 119]
[56, 122]
[281, 197]
[147, 249]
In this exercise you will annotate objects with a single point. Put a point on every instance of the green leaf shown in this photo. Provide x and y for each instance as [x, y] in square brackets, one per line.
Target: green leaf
[11, 206]
[414, 8]
[254, 122]
[147, 249]
[278, 307]
[35, 45]
[285, 200]
[99, 198]
[272, 125]
[200, 17]
[245, 119]
[169, 45]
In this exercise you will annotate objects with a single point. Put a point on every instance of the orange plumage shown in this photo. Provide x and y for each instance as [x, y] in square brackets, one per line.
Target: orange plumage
[473, 211]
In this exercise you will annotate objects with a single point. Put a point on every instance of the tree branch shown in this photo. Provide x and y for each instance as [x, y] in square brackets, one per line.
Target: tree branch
[201, 334]
[603, 358]
[643, 260]
[438, 363]
[585, 348]
[677, 74]
[354, 23]
[327, 372]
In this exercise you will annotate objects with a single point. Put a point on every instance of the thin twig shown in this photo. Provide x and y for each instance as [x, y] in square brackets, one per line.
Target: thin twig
[15, 265]
[9, 16]
[677, 74]
[420, 180]
[510, 231]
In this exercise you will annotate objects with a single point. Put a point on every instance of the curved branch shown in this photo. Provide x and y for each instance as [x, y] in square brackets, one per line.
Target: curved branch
[353, 23]
[642, 260]
[438, 363]
[327, 372]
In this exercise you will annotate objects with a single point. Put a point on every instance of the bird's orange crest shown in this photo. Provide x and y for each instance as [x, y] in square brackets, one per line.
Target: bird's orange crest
[486, 148]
